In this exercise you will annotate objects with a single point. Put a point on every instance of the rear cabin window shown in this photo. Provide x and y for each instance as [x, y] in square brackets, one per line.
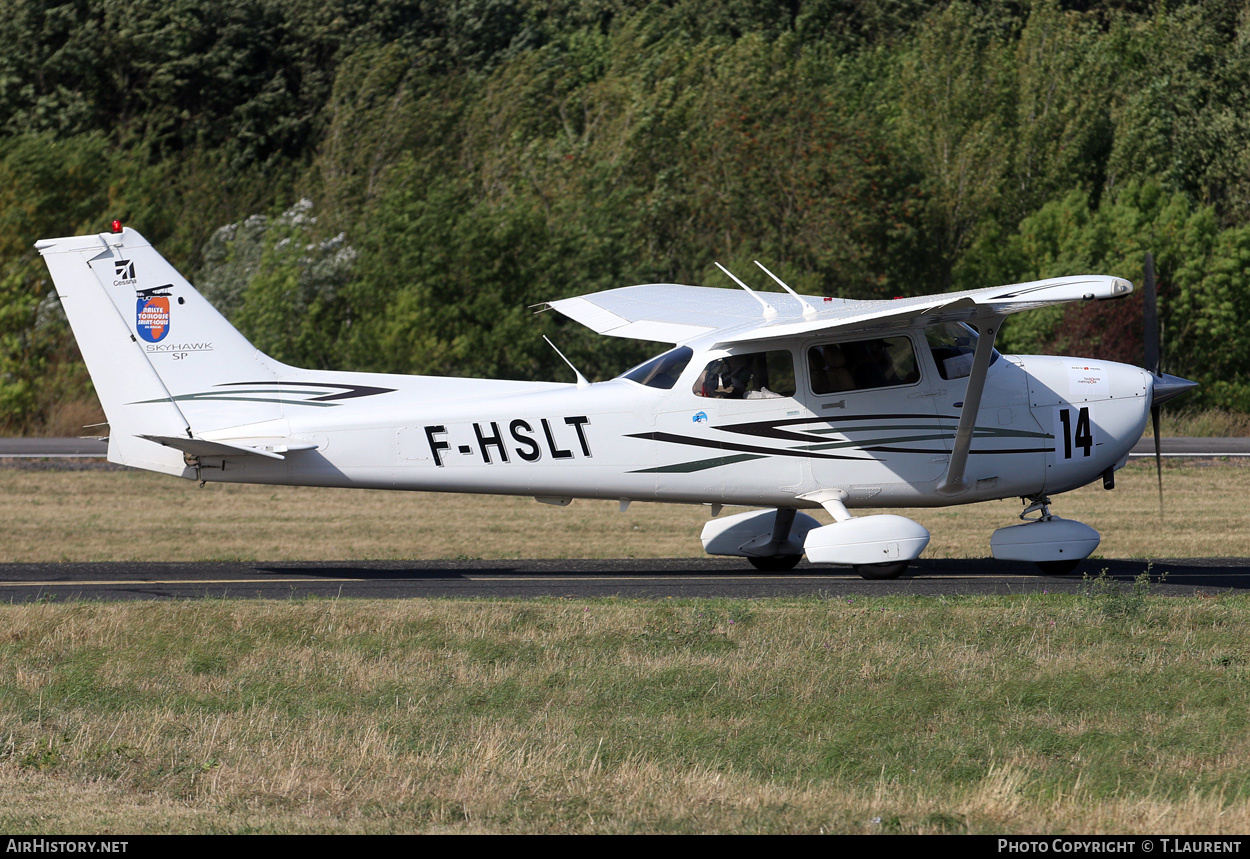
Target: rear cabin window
[882, 362]
[662, 371]
[754, 376]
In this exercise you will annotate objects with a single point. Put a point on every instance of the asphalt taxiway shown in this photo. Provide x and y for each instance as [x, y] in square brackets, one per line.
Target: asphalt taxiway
[579, 579]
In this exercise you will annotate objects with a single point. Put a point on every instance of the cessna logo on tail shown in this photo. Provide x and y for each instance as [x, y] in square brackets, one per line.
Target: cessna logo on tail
[124, 269]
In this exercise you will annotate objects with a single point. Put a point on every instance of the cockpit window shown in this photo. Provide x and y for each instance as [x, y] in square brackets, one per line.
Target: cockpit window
[878, 363]
[953, 344]
[754, 376]
[662, 371]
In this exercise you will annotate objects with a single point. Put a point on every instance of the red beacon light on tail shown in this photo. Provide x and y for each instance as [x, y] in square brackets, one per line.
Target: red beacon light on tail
[117, 225]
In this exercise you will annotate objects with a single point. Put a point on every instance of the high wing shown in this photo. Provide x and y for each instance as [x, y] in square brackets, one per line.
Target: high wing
[676, 313]
[673, 313]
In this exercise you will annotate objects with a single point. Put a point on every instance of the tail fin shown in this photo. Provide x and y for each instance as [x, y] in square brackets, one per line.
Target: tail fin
[164, 362]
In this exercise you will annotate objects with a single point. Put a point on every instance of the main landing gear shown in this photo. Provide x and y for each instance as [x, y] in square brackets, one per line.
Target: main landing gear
[881, 571]
[772, 540]
[877, 547]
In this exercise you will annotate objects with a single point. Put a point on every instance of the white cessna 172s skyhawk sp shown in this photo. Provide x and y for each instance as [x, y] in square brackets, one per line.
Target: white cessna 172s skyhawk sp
[773, 400]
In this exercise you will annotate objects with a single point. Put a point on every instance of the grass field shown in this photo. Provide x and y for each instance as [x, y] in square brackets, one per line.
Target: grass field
[131, 515]
[1113, 711]
[1105, 713]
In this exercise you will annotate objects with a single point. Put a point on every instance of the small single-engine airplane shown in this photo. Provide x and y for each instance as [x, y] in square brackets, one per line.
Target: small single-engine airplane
[767, 399]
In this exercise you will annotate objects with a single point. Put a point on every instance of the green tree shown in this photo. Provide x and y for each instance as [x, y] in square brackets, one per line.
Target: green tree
[48, 188]
[1203, 299]
[954, 118]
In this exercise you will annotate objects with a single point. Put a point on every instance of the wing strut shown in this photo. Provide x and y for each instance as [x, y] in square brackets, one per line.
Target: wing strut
[808, 309]
[769, 310]
[953, 482]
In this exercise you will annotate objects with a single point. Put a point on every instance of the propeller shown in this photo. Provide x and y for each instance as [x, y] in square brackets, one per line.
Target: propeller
[1150, 316]
[1164, 387]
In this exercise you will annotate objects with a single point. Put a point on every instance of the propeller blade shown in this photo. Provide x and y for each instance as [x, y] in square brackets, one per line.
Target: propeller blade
[1155, 411]
[1150, 315]
[1150, 339]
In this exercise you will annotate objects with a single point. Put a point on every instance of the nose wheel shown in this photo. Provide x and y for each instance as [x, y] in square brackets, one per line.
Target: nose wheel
[1056, 545]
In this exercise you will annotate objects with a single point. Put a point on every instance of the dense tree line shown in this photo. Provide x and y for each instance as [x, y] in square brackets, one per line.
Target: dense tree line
[389, 185]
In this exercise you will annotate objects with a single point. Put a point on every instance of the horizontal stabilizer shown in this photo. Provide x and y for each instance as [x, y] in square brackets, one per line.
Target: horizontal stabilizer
[273, 448]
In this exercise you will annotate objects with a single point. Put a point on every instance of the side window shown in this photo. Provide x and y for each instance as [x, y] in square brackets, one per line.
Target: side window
[879, 363]
[662, 371]
[754, 376]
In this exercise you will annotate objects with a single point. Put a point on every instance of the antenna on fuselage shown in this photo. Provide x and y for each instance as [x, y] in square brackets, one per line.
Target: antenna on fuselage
[808, 309]
[769, 310]
[581, 380]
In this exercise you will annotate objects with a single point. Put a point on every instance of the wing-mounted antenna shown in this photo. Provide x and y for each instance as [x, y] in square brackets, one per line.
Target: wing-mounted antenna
[769, 310]
[581, 380]
[808, 308]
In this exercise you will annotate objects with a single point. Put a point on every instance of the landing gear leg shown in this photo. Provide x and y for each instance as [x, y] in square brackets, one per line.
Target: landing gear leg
[781, 534]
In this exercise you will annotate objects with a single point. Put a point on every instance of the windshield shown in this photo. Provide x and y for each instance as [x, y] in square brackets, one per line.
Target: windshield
[953, 344]
[662, 371]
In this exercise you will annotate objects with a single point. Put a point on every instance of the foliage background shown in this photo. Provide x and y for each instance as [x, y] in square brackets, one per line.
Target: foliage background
[388, 185]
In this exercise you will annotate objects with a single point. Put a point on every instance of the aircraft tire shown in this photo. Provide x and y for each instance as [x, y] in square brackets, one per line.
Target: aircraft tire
[881, 571]
[1057, 568]
[776, 563]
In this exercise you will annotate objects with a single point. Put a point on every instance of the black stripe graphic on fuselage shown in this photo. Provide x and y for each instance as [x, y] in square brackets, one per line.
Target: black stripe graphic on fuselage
[941, 451]
[769, 429]
[348, 392]
[673, 438]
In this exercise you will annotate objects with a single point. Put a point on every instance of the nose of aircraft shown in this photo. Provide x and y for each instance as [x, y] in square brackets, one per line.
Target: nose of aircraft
[1166, 387]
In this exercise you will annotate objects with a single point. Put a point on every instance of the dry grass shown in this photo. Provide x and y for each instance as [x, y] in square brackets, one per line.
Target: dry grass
[982, 715]
[70, 418]
[128, 515]
[992, 715]
[1202, 423]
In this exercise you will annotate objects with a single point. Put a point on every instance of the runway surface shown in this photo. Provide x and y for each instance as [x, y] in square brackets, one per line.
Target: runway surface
[632, 579]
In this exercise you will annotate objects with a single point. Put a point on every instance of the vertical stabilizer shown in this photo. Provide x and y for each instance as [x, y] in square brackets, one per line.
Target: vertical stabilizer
[163, 360]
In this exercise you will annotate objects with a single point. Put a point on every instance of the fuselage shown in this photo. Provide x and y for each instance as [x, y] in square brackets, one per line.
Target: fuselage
[874, 417]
